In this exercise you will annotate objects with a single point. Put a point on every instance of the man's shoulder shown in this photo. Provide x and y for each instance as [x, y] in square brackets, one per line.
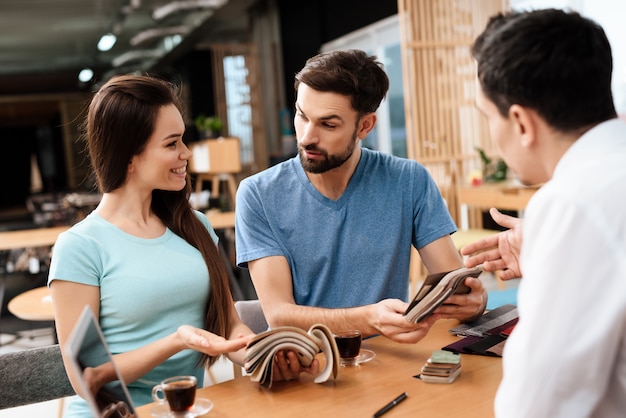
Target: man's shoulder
[387, 161]
[271, 181]
[273, 173]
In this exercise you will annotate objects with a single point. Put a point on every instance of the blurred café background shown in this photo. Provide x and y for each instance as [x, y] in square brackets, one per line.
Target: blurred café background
[235, 60]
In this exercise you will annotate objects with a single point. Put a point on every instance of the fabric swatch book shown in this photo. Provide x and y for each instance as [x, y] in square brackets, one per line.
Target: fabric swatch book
[488, 321]
[436, 289]
[262, 348]
[487, 335]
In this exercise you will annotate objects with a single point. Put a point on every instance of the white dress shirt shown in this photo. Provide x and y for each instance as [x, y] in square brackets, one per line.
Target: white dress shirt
[567, 355]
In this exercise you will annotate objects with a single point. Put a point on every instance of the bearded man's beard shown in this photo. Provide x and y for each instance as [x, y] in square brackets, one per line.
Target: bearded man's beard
[329, 161]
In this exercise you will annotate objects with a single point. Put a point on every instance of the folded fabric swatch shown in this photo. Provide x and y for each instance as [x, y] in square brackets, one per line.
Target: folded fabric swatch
[504, 329]
[478, 345]
[488, 321]
[262, 348]
[487, 335]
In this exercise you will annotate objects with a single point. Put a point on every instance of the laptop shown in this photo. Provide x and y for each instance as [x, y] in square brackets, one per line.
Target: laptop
[87, 348]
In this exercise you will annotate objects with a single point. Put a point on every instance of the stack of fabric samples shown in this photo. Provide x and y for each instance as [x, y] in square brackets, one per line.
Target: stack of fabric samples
[441, 367]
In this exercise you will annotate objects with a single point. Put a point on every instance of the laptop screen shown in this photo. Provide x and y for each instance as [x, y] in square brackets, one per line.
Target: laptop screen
[87, 350]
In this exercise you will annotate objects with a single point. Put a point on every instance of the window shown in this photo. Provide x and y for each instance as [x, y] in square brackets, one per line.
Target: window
[238, 104]
[383, 40]
[237, 98]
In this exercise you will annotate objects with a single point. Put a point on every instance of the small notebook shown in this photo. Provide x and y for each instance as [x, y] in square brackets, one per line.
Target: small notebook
[87, 348]
[436, 289]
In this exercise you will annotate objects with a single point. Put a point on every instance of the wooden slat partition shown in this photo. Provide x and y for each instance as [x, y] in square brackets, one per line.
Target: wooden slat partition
[443, 126]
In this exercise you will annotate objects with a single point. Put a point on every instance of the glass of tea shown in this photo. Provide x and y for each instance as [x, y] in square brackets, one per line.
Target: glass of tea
[178, 391]
[349, 345]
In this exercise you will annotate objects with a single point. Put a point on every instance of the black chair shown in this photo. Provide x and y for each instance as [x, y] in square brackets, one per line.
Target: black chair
[4, 338]
[33, 376]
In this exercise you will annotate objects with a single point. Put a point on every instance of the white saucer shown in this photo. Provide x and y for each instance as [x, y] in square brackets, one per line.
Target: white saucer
[365, 355]
[201, 407]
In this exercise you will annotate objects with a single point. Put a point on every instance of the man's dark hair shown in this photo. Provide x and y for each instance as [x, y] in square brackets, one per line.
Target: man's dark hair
[555, 62]
[350, 73]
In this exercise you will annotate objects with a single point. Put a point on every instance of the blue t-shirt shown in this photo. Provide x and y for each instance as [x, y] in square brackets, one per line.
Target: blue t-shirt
[148, 288]
[347, 252]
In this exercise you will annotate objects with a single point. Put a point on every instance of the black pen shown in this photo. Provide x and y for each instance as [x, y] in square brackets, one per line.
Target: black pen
[390, 405]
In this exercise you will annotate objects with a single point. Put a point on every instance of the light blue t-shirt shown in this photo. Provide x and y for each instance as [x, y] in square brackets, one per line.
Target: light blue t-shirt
[148, 288]
[347, 252]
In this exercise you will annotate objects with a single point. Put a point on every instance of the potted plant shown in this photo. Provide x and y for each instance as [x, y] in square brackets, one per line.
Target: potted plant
[493, 172]
[208, 126]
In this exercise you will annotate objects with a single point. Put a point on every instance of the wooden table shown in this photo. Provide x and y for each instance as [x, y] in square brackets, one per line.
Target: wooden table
[221, 220]
[28, 238]
[361, 391]
[504, 195]
[33, 305]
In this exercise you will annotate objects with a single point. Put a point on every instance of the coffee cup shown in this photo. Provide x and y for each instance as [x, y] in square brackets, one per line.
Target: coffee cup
[349, 346]
[178, 391]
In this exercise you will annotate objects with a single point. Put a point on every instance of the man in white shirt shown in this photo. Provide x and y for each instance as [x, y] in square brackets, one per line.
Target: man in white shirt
[544, 85]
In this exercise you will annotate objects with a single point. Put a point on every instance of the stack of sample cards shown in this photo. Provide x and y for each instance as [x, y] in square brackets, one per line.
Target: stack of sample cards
[441, 367]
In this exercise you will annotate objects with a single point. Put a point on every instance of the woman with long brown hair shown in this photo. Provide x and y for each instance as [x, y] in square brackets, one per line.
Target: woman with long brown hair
[144, 261]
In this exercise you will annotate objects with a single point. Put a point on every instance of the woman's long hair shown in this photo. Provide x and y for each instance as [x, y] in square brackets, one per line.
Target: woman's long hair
[120, 121]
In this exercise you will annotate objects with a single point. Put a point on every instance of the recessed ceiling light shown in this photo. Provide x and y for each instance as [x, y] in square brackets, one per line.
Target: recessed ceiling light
[106, 42]
[85, 75]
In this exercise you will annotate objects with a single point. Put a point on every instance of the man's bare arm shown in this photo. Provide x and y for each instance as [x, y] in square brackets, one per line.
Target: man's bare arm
[273, 283]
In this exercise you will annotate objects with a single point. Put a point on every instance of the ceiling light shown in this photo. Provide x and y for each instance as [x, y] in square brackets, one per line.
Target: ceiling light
[162, 12]
[85, 75]
[170, 42]
[149, 34]
[134, 56]
[106, 42]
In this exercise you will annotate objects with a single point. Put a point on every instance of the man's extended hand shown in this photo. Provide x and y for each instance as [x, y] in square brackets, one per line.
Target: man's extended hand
[500, 251]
